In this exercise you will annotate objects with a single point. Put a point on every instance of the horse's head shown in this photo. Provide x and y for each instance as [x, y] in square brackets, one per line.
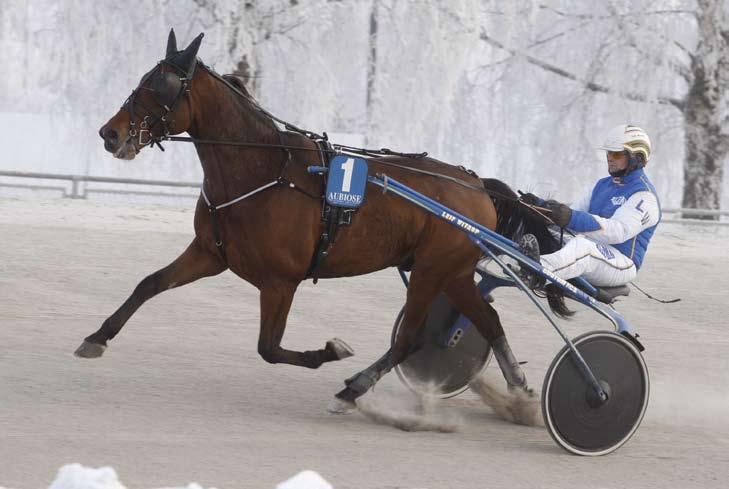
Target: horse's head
[159, 106]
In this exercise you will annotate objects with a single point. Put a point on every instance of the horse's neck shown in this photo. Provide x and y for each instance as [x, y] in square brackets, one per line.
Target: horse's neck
[222, 115]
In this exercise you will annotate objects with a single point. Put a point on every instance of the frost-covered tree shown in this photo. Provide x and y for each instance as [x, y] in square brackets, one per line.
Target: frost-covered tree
[638, 39]
[528, 106]
[254, 28]
[706, 107]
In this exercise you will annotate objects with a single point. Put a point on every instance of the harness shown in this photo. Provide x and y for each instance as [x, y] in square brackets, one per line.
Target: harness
[169, 87]
[332, 218]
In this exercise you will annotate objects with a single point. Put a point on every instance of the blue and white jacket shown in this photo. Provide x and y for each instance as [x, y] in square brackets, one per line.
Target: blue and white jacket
[624, 215]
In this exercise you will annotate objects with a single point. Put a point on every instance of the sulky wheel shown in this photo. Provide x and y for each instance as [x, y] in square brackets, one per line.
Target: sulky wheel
[450, 354]
[574, 416]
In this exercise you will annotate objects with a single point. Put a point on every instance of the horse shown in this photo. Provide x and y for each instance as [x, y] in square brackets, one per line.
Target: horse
[259, 215]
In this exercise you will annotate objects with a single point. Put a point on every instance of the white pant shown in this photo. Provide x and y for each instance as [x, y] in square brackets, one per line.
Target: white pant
[600, 264]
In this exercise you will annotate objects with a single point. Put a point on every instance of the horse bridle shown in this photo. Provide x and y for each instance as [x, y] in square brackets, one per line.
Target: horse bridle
[168, 88]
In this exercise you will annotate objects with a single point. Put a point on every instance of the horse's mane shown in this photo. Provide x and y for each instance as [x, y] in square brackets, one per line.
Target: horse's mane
[238, 93]
[513, 220]
[238, 82]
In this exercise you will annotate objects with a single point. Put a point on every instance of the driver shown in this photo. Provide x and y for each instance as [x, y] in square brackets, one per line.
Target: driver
[613, 223]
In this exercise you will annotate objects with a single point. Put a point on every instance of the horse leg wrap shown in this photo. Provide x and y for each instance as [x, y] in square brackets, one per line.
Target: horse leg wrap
[363, 381]
[366, 379]
[513, 373]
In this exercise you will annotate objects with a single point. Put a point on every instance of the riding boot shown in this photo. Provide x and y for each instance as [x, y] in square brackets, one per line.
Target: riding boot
[530, 247]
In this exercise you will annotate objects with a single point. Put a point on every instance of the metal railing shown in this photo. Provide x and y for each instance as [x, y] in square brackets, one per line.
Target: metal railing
[682, 211]
[80, 192]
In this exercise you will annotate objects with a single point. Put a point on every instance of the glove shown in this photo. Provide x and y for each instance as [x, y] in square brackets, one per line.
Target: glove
[561, 214]
[531, 199]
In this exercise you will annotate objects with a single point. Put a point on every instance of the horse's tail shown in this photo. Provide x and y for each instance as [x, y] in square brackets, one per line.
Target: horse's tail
[513, 220]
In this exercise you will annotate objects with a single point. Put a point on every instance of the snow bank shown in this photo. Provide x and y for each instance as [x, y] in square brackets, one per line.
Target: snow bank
[306, 479]
[76, 476]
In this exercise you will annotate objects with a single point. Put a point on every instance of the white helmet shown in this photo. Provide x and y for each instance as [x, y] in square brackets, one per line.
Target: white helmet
[628, 138]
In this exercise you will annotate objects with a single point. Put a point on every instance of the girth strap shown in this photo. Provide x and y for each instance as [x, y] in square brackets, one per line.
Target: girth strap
[332, 217]
[216, 233]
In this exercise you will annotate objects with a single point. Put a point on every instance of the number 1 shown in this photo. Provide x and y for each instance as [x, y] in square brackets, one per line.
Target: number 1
[348, 166]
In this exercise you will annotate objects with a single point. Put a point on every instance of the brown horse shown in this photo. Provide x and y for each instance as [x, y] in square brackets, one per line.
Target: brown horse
[269, 238]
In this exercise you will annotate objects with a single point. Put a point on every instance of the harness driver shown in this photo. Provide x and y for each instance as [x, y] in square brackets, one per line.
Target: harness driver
[612, 224]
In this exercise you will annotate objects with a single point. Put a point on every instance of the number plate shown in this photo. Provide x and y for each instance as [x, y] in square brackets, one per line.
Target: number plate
[347, 181]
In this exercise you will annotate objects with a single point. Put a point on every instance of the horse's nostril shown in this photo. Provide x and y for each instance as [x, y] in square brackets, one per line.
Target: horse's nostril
[110, 135]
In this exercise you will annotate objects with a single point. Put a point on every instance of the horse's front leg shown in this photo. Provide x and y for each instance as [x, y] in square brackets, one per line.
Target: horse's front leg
[196, 262]
[275, 305]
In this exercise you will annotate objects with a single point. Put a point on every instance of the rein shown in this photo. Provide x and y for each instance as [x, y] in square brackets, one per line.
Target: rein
[185, 81]
[337, 150]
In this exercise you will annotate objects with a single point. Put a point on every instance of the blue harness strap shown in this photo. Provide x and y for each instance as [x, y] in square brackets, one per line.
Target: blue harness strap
[332, 216]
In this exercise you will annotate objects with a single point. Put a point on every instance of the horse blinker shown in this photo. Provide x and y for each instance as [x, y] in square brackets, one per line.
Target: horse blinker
[166, 88]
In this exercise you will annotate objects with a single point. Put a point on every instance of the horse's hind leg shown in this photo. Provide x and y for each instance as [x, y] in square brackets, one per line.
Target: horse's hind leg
[276, 301]
[196, 262]
[465, 297]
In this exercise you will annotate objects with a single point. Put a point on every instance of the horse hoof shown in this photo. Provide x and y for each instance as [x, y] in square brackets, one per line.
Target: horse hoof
[90, 350]
[339, 406]
[340, 348]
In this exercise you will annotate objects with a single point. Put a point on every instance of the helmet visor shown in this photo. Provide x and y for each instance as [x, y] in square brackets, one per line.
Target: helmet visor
[612, 146]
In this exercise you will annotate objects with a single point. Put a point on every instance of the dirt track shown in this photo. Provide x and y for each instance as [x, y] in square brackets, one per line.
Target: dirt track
[181, 395]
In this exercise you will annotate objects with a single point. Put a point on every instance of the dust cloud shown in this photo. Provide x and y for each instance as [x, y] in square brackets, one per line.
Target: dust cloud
[517, 407]
[426, 412]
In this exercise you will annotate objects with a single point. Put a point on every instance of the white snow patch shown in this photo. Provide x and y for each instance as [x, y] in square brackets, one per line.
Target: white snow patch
[76, 476]
[191, 485]
[306, 479]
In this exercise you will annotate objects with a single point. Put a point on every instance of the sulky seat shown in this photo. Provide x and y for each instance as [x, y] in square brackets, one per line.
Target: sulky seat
[609, 294]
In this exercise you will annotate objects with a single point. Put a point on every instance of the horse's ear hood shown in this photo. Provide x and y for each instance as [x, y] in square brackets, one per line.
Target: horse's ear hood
[171, 45]
[187, 58]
